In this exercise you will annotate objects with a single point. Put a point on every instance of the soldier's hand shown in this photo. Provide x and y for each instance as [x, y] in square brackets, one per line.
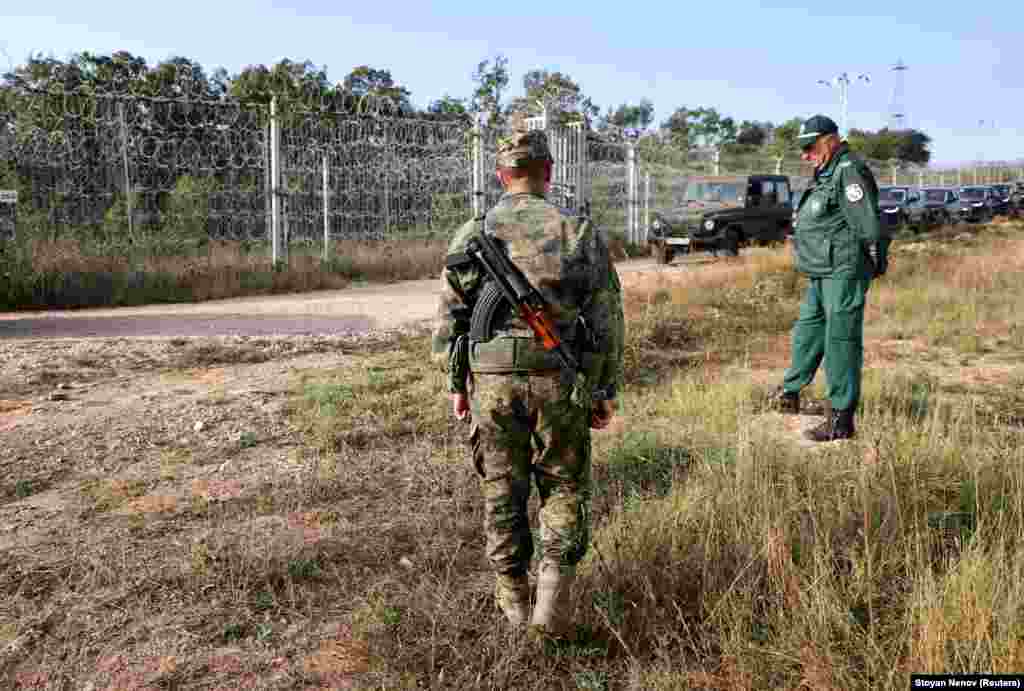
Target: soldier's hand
[602, 414]
[460, 406]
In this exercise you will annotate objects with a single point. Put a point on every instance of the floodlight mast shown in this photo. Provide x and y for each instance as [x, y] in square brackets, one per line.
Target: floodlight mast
[842, 82]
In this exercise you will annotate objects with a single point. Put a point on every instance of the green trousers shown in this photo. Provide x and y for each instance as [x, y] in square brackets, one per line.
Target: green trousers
[830, 327]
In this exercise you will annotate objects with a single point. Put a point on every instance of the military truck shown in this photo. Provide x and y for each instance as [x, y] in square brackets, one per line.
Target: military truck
[724, 213]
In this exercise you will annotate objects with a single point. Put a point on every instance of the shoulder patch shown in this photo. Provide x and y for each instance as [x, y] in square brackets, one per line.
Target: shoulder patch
[854, 193]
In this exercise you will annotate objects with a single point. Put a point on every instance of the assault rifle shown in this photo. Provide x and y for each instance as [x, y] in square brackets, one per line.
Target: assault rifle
[511, 286]
[509, 289]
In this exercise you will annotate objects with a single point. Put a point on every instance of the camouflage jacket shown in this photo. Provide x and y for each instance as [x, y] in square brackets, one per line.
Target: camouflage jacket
[566, 258]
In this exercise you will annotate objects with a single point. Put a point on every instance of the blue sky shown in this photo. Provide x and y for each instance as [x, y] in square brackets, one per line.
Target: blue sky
[751, 60]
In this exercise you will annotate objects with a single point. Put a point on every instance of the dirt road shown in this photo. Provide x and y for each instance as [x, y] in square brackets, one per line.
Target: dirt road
[347, 312]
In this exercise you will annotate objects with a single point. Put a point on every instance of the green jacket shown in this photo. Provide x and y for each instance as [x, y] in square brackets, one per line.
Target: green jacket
[836, 221]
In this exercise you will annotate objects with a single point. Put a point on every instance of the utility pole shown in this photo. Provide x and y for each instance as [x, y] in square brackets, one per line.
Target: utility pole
[842, 83]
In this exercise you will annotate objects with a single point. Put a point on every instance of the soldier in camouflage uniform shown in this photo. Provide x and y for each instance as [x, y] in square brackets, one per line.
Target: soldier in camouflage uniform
[530, 420]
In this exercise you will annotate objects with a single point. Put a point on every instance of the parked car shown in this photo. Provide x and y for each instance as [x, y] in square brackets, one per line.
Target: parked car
[1003, 205]
[976, 203]
[898, 207]
[941, 205]
[724, 213]
[1018, 195]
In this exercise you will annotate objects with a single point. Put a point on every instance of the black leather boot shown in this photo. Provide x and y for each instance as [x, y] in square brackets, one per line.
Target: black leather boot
[837, 425]
[784, 401]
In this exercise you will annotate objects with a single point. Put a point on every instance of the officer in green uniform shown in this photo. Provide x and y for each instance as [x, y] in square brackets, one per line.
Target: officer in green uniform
[529, 419]
[840, 246]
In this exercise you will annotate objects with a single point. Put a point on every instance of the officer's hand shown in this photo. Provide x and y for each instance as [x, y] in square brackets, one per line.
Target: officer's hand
[460, 406]
[602, 414]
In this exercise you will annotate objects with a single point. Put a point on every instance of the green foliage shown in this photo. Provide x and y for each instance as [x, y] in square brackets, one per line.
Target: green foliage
[448, 105]
[303, 569]
[908, 146]
[188, 207]
[23, 488]
[678, 126]
[562, 96]
[711, 129]
[753, 133]
[639, 115]
[491, 79]
[365, 80]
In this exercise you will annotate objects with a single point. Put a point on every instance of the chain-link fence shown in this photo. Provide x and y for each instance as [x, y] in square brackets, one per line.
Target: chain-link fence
[349, 177]
[176, 166]
[117, 165]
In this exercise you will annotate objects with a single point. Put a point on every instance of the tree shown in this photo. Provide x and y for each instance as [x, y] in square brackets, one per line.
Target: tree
[364, 80]
[879, 146]
[558, 94]
[679, 127]
[913, 147]
[753, 133]
[491, 79]
[448, 106]
[295, 84]
[711, 129]
[783, 142]
[905, 146]
[638, 116]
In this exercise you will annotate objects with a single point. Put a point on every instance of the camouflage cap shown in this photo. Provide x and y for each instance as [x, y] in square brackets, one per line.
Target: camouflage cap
[520, 145]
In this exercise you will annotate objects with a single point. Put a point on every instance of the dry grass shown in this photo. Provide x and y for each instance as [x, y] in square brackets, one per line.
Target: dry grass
[725, 556]
[66, 273]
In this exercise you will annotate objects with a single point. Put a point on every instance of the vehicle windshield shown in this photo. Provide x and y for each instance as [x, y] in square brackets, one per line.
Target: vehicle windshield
[935, 195]
[1001, 189]
[890, 194]
[974, 193]
[713, 192]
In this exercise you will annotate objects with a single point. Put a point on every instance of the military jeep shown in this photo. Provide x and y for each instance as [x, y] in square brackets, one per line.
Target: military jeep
[724, 213]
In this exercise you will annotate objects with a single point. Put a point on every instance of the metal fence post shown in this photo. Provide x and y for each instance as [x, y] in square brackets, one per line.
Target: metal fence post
[127, 176]
[478, 169]
[647, 204]
[327, 212]
[583, 198]
[631, 174]
[275, 183]
[268, 193]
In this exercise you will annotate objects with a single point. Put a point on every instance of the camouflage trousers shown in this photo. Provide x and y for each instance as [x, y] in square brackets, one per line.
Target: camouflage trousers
[526, 429]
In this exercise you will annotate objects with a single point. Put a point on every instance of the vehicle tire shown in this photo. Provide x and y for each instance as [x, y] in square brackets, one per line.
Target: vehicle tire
[730, 246]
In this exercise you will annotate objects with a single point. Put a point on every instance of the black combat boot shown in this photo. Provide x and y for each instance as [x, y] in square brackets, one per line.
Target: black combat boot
[785, 402]
[838, 425]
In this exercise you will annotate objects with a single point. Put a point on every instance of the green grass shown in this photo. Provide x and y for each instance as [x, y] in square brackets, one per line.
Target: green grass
[724, 554]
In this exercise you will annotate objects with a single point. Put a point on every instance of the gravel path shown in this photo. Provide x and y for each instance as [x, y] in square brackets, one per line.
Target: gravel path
[348, 312]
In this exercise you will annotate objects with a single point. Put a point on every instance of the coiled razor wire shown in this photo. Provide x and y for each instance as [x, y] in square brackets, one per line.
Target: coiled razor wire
[191, 166]
[197, 163]
[200, 166]
[385, 175]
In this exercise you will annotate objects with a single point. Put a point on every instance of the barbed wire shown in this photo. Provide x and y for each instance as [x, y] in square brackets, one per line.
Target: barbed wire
[172, 154]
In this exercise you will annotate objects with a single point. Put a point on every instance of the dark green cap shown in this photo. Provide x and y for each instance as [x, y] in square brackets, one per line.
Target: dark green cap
[814, 127]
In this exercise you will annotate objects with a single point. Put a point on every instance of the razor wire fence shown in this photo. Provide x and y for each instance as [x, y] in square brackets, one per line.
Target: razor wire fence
[112, 166]
[175, 165]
